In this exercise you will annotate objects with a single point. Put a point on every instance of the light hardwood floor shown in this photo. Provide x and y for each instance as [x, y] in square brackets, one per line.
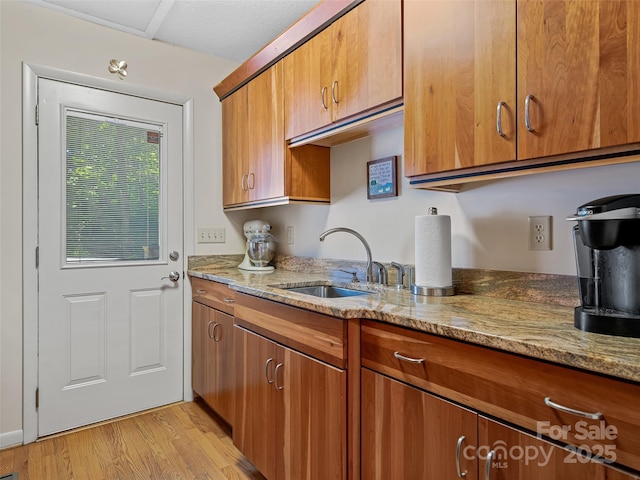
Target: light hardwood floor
[183, 441]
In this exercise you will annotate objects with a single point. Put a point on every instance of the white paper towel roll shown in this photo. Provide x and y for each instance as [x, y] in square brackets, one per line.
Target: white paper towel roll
[433, 251]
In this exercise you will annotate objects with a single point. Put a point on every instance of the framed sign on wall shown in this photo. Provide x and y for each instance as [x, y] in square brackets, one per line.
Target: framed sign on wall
[382, 178]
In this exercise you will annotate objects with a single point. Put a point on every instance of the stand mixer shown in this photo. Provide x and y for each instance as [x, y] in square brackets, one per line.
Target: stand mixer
[260, 247]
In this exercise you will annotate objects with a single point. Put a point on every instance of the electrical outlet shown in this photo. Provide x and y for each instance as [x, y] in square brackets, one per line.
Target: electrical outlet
[540, 233]
[211, 235]
[290, 235]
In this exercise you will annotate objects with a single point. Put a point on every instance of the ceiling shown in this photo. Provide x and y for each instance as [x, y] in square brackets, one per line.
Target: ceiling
[232, 29]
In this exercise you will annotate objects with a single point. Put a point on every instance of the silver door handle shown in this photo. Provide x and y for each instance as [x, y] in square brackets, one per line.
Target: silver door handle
[276, 375]
[487, 467]
[266, 370]
[323, 93]
[527, 116]
[459, 471]
[173, 276]
[334, 96]
[499, 119]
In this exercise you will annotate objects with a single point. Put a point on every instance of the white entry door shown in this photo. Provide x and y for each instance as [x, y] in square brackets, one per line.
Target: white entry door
[110, 229]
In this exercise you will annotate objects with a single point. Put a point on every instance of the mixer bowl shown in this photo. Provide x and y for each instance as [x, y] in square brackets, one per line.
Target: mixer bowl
[261, 249]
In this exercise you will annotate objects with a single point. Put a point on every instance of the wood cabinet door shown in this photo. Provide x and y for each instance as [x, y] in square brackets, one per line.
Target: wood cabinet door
[410, 434]
[366, 49]
[265, 132]
[199, 321]
[235, 152]
[307, 83]
[254, 426]
[313, 419]
[579, 61]
[459, 65]
[219, 372]
[520, 456]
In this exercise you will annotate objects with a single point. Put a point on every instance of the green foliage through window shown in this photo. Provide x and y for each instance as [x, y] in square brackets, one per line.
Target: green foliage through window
[112, 190]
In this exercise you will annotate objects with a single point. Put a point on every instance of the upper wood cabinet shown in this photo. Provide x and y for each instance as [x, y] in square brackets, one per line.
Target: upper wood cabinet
[578, 67]
[257, 166]
[459, 64]
[253, 141]
[579, 63]
[350, 67]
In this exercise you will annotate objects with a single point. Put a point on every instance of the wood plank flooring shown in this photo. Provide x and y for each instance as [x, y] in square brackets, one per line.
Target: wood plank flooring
[180, 442]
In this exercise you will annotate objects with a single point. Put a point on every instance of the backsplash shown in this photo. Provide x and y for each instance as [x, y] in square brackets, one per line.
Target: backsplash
[527, 287]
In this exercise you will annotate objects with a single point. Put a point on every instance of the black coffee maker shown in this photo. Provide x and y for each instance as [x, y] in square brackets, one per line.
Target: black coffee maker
[607, 245]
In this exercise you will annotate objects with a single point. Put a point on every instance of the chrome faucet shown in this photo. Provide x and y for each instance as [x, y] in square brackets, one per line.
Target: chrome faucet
[399, 275]
[382, 273]
[323, 235]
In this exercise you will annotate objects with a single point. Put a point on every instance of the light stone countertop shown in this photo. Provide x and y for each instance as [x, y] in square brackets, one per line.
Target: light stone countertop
[535, 330]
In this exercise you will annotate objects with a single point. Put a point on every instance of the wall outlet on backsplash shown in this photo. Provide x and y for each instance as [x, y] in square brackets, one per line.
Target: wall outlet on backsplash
[540, 233]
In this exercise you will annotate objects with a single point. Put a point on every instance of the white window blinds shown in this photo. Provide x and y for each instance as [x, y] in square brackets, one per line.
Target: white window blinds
[112, 189]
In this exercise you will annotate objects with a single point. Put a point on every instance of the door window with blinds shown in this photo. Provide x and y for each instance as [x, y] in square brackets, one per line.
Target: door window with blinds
[112, 190]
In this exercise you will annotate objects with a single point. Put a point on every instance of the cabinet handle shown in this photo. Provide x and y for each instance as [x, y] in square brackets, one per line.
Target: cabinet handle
[243, 183]
[215, 337]
[487, 467]
[399, 356]
[461, 474]
[252, 181]
[579, 413]
[333, 91]
[266, 370]
[275, 374]
[209, 333]
[229, 300]
[323, 94]
[201, 292]
[499, 119]
[527, 117]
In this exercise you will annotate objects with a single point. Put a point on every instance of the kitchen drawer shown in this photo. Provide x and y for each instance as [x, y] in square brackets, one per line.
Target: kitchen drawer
[317, 335]
[213, 294]
[513, 388]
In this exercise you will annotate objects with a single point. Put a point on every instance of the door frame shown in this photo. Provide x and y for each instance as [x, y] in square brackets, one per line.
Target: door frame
[30, 75]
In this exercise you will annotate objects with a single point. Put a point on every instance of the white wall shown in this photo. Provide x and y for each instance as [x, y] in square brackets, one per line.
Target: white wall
[489, 220]
[38, 36]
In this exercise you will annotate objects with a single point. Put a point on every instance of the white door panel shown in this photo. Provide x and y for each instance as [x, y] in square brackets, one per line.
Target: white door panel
[110, 326]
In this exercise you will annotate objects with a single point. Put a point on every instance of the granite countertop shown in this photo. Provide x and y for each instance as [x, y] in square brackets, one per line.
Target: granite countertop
[536, 330]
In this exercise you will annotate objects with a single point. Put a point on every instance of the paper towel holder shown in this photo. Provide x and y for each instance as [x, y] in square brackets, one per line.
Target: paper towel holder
[429, 291]
[433, 291]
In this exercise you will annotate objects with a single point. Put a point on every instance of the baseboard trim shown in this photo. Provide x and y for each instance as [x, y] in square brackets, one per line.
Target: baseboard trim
[11, 439]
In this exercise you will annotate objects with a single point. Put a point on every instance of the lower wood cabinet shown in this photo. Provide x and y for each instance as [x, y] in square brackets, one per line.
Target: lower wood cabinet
[291, 418]
[408, 433]
[212, 359]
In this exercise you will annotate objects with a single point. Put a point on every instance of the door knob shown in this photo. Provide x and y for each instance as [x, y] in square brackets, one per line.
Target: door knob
[173, 276]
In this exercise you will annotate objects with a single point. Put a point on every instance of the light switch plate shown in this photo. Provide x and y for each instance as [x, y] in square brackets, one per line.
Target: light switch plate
[211, 235]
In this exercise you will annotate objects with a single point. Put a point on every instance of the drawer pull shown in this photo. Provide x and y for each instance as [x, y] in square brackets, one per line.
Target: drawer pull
[209, 334]
[229, 300]
[266, 370]
[200, 291]
[579, 413]
[487, 467]
[461, 474]
[399, 356]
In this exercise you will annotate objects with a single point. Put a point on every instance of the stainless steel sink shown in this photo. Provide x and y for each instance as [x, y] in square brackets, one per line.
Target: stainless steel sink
[327, 291]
